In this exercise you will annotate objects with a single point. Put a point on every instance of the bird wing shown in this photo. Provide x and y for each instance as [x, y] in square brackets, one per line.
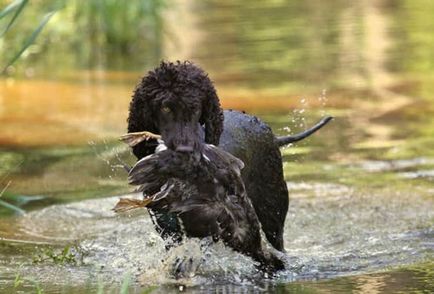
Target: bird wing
[222, 158]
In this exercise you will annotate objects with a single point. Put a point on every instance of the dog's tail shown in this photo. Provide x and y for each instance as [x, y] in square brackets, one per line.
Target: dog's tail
[285, 140]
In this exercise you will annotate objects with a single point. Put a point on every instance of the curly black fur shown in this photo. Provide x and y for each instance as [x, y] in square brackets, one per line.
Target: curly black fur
[174, 100]
[182, 86]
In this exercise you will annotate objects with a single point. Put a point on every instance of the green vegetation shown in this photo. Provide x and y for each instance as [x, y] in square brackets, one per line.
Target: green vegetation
[125, 284]
[9, 205]
[413, 22]
[69, 255]
[87, 34]
[18, 280]
[15, 8]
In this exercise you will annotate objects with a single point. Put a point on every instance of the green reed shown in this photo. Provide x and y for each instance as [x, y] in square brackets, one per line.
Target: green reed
[15, 9]
[88, 34]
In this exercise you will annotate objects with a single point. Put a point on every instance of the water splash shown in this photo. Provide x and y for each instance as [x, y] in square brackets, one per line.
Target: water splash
[322, 98]
[331, 230]
[112, 155]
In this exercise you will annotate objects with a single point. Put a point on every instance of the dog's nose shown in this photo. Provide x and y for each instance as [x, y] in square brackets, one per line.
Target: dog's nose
[184, 149]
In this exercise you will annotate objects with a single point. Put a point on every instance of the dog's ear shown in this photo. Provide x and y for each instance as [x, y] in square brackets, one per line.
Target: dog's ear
[140, 119]
[212, 117]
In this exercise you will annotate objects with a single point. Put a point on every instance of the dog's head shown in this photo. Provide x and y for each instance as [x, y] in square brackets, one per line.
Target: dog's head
[176, 100]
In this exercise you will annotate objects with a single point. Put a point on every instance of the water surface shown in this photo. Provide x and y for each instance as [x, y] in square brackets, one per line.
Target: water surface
[361, 216]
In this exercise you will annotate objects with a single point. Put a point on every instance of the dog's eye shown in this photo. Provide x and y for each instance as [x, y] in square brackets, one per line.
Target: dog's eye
[165, 109]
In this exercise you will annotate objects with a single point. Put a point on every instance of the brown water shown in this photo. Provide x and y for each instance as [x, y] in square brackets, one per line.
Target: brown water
[361, 215]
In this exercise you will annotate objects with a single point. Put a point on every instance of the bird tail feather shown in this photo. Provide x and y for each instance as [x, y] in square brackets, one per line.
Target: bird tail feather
[127, 204]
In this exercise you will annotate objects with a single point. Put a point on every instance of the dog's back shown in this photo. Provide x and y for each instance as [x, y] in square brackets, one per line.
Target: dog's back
[252, 141]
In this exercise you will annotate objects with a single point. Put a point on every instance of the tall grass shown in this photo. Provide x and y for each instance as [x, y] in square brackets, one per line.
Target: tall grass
[8, 205]
[15, 8]
[87, 34]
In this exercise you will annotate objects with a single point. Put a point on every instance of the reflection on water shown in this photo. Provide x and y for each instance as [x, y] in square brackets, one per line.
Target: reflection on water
[332, 230]
[361, 189]
[48, 112]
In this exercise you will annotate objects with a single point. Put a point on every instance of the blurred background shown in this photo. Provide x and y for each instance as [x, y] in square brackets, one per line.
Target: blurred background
[370, 64]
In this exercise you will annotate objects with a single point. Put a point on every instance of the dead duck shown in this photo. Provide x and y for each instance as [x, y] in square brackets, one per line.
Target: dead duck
[206, 193]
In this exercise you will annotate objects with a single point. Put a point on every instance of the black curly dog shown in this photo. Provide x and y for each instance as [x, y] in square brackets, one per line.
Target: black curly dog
[177, 100]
